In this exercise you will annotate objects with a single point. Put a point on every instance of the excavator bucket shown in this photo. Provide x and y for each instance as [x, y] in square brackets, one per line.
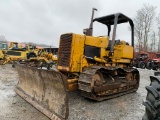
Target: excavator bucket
[44, 89]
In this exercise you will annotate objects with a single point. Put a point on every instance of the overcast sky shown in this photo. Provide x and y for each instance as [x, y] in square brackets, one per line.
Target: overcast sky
[43, 21]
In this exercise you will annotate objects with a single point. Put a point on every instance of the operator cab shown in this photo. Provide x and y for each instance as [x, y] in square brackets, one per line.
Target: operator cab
[110, 20]
[115, 19]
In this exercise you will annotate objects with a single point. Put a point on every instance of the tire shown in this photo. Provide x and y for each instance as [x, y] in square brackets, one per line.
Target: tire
[13, 65]
[29, 55]
[50, 65]
[41, 63]
[152, 103]
[142, 65]
[133, 63]
[149, 65]
[154, 67]
[157, 73]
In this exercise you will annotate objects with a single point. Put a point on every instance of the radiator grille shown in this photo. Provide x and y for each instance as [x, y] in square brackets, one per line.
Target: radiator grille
[65, 50]
[15, 53]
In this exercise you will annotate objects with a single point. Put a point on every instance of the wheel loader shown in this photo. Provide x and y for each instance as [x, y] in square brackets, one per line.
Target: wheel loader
[99, 67]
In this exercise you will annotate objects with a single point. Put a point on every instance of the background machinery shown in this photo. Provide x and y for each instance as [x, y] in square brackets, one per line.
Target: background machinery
[98, 67]
[16, 53]
[44, 59]
[3, 58]
[4, 47]
[154, 63]
[143, 59]
[3, 50]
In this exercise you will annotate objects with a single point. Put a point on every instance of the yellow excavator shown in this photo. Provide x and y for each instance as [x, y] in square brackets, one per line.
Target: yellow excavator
[98, 67]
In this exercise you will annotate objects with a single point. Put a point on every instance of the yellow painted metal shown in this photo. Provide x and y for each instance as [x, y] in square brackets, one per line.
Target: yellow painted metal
[72, 80]
[63, 68]
[123, 51]
[3, 58]
[101, 42]
[48, 56]
[77, 59]
[72, 84]
[121, 60]
[1, 54]
[15, 58]
[99, 60]
[18, 53]
[77, 52]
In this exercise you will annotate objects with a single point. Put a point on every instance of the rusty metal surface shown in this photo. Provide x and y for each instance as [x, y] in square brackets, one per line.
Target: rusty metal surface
[65, 50]
[110, 89]
[114, 86]
[44, 89]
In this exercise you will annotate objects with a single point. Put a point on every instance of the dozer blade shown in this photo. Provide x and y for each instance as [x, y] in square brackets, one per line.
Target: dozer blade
[45, 90]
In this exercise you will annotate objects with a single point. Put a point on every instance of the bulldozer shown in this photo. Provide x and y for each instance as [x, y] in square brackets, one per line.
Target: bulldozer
[17, 52]
[9, 52]
[98, 67]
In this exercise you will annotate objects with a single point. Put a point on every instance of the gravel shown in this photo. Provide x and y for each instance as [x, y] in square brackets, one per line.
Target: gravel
[127, 107]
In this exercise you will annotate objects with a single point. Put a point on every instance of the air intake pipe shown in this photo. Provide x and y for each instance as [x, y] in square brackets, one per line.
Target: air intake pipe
[89, 31]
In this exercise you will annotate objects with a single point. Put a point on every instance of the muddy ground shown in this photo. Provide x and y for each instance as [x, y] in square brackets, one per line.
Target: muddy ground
[127, 107]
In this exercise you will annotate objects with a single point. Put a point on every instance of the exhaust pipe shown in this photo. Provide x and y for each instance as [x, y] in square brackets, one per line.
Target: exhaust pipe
[89, 31]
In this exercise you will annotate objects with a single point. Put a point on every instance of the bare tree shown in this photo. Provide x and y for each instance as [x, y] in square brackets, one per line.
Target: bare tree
[2, 38]
[158, 24]
[158, 39]
[143, 24]
[153, 42]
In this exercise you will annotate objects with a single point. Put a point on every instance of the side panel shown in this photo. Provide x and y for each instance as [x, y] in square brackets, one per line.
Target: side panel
[128, 52]
[123, 51]
[77, 52]
[101, 42]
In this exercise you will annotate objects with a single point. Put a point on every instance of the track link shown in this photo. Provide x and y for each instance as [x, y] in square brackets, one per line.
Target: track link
[110, 89]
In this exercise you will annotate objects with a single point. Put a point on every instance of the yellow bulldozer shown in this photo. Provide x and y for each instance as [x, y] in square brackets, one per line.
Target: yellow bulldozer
[98, 67]
[17, 52]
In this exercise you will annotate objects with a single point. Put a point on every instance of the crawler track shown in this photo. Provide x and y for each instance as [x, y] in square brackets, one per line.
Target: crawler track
[113, 86]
